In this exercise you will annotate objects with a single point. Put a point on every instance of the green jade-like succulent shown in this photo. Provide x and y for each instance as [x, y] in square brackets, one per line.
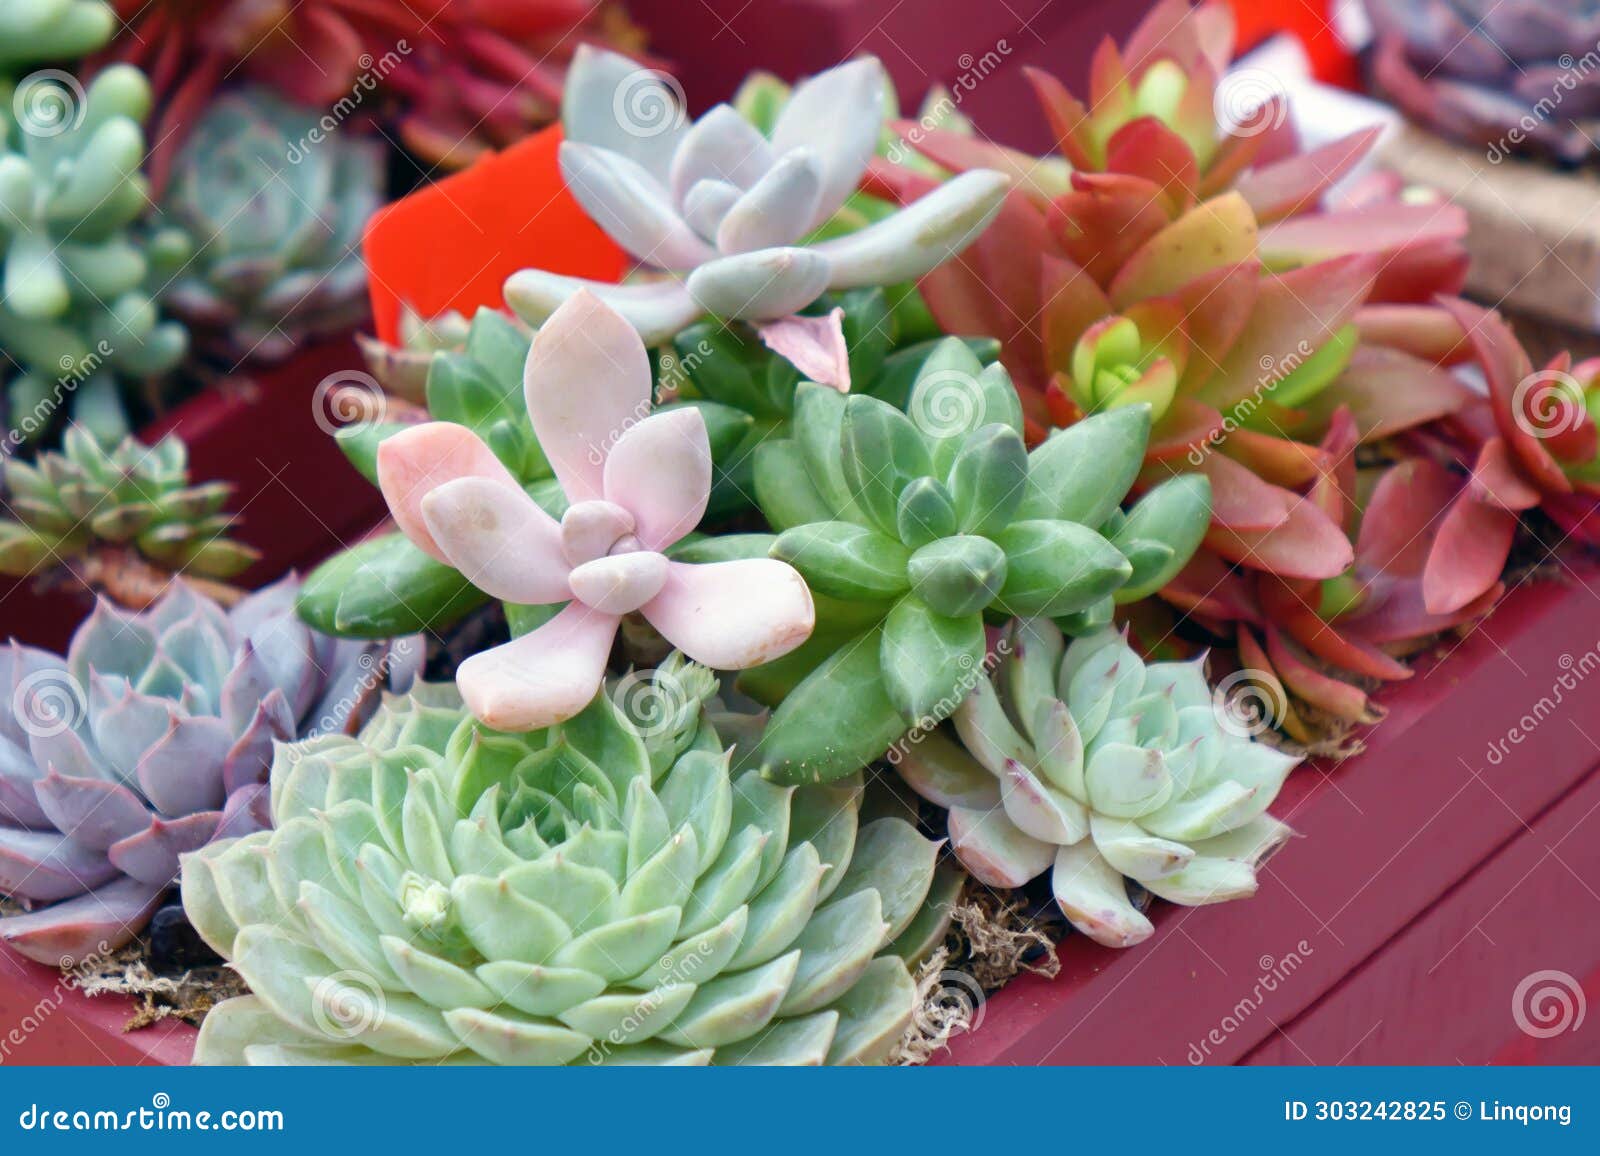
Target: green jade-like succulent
[912, 529]
[78, 307]
[1087, 763]
[727, 365]
[36, 31]
[603, 891]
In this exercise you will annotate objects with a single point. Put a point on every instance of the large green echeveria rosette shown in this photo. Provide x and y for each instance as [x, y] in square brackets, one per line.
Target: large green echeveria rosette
[604, 891]
[914, 529]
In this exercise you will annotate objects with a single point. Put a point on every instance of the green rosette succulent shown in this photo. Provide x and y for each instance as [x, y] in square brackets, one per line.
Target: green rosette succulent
[78, 307]
[725, 364]
[604, 891]
[914, 528]
[386, 585]
[275, 209]
[35, 31]
[67, 503]
[1086, 762]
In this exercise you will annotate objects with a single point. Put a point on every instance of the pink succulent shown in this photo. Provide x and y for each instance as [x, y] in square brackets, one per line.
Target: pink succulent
[636, 482]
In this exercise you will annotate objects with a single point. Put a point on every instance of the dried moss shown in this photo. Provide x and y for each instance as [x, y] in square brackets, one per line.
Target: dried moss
[187, 997]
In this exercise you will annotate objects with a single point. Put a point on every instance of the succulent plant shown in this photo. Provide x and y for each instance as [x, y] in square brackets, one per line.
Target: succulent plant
[138, 497]
[35, 31]
[728, 367]
[153, 736]
[460, 75]
[387, 586]
[633, 482]
[1500, 75]
[910, 527]
[401, 369]
[276, 223]
[604, 891]
[1083, 761]
[1212, 256]
[726, 210]
[77, 307]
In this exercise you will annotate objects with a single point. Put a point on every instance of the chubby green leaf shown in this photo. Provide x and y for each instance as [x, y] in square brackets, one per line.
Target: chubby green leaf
[836, 721]
[1056, 568]
[958, 575]
[988, 479]
[785, 488]
[1081, 474]
[881, 453]
[383, 588]
[927, 513]
[845, 560]
[927, 660]
[1173, 517]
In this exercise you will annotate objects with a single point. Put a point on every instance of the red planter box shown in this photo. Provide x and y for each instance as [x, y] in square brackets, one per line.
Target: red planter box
[1437, 870]
[1431, 880]
[976, 49]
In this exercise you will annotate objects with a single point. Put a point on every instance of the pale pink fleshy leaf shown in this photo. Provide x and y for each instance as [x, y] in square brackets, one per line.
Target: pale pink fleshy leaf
[499, 539]
[587, 381]
[660, 472]
[621, 583]
[415, 462]
[733, 615]
[813, 345]
[542, 678]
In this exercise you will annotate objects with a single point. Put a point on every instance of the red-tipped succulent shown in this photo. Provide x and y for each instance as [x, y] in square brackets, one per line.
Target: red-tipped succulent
[1213, 270]
[469, 75]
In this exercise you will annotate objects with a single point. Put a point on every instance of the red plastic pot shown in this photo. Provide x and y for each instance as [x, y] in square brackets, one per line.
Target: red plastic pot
[975, 50]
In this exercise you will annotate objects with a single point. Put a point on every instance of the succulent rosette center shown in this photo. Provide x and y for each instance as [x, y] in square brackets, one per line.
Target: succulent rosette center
[1130, 359]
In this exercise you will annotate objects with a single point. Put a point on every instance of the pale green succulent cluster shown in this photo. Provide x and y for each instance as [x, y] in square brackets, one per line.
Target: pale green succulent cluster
[1083, 761]
[274, 210]
[135, 496]
[38, 31]
[78, 307]
[603, 891]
